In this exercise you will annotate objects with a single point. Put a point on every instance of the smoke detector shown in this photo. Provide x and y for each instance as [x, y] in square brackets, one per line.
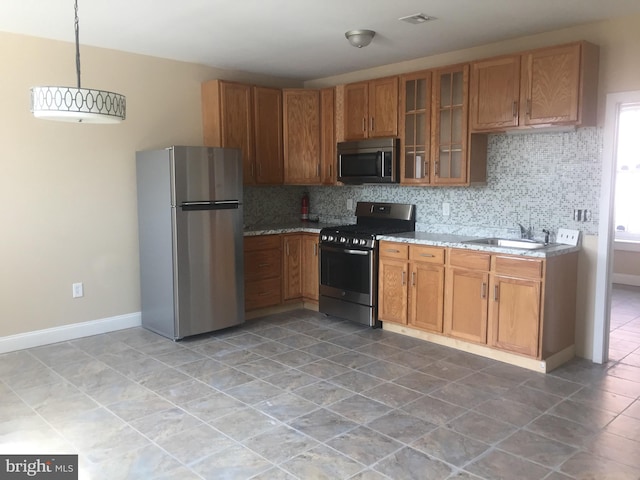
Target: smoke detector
[417, 18]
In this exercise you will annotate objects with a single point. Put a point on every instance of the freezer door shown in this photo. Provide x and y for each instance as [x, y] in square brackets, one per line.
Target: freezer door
[208, 267]
[204, 174]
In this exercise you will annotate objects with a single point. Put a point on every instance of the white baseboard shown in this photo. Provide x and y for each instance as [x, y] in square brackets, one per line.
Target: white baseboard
[626, 279]
[64, 333]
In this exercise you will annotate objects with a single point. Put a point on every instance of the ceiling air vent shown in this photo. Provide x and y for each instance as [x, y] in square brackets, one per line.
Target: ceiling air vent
[417, 18]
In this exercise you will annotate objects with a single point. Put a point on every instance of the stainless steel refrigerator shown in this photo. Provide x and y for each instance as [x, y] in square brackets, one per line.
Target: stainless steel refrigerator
[191, 240]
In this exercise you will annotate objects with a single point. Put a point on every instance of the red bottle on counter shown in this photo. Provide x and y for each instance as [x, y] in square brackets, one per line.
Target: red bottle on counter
[304, 208]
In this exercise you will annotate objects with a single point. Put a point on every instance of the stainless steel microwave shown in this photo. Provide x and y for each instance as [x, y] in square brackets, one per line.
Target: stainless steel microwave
[369, 161]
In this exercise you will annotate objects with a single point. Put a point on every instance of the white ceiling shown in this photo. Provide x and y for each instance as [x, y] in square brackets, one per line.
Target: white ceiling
[299, 39]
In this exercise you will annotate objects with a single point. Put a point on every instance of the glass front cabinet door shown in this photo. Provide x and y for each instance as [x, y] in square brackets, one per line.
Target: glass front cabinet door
[450, 118]
[415, 128]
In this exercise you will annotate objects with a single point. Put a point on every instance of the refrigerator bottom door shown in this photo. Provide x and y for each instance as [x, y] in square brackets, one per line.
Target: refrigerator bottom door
[208, 270]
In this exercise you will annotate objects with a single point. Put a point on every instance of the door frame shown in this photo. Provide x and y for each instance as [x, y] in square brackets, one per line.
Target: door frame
[604, 259]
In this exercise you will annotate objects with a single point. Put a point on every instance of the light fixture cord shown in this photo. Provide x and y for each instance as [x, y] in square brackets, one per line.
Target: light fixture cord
[77, 30]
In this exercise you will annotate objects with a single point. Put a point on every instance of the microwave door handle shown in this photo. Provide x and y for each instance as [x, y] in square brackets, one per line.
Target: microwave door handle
[380, 155]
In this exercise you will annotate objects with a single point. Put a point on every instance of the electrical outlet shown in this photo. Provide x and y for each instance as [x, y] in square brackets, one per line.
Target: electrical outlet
[568, 237]
[77, 290]
[446, 209]
[349, 203]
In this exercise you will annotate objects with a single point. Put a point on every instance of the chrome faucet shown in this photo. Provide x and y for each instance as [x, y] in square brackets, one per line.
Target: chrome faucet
[526, 232]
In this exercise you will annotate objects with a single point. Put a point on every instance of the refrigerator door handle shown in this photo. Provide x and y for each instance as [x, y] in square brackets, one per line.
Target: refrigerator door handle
[211, 205]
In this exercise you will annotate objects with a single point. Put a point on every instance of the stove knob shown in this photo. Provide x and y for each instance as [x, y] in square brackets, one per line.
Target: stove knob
[363, 242]
[323, 238]
[330, 238]
[343, 240]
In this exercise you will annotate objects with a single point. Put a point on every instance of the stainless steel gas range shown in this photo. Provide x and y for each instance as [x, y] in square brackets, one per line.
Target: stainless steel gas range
[349, 260]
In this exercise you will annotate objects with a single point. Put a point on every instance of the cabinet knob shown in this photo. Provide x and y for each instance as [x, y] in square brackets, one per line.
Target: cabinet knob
[483, 290]
[514, 109]
[364, 124]
[413, 279]
[371, 124]
[495, 293]
[404, 277]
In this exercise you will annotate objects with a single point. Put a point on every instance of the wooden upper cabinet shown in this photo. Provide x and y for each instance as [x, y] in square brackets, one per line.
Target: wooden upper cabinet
[370, 109]
[449, 124]
[328, 155]
[414, 127]
[495, 93]
[548, 86]
[301, 111]
[557, 82]
[356, 111]
[383, 107]
[227, 121]
[269, 167]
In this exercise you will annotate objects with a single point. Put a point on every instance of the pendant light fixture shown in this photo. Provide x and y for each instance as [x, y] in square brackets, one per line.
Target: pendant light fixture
[77, 104]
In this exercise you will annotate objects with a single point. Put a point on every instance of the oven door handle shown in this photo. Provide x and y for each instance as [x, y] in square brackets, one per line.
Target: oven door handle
[345, 250]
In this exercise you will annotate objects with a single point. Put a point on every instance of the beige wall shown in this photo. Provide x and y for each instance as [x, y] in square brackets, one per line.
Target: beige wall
[626, 263]
[68, 191]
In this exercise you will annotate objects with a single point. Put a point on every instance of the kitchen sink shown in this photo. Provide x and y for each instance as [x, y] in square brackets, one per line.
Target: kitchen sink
[508, 243]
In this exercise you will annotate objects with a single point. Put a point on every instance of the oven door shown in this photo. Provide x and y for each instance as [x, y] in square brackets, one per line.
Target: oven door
[348, 274]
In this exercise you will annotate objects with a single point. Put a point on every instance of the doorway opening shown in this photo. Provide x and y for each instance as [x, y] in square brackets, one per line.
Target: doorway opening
[620, 223]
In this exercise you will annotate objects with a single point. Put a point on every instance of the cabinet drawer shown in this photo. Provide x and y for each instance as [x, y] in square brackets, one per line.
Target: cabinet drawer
[262, 264]
[517, 267]
[469, 259]
[261, 242]
[426, 254]
[262, 293]
[394, 250]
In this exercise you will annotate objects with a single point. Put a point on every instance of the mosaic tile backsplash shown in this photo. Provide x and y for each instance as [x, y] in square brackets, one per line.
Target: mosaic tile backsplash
[533, 179]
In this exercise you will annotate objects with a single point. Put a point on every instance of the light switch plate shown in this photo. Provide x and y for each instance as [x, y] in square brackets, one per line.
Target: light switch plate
[568, 237]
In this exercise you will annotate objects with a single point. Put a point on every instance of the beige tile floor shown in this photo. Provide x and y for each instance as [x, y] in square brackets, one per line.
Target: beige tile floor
[303, 396]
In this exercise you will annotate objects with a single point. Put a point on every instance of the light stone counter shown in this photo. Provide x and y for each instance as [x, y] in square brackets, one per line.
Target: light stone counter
[457, 241]
[418, 238]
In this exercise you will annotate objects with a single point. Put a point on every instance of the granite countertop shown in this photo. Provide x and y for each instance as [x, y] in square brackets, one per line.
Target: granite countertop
[284, 227]
[457, 241]
[419, 238]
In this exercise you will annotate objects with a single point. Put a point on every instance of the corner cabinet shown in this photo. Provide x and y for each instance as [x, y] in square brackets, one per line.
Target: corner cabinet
[370, 109]
[301, 111]
[267, 113]
[328, 155]
[458, 158]
[543, 87]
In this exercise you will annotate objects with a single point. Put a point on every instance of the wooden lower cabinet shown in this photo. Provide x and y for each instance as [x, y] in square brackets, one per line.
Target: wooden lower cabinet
[411, 285]
[280, 269]
[292, 247]
[262, 271]
[467, 284]
[310, 267]
[514, 308]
